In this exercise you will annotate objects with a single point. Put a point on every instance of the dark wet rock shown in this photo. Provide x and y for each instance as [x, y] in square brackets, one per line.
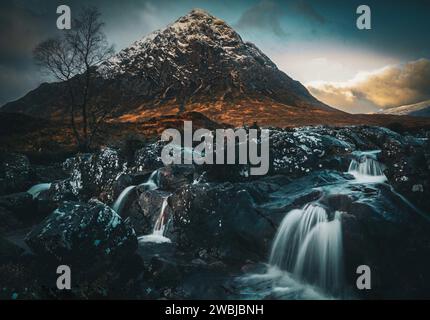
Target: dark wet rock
[48, 173]
[143, 209]
[20, 204]
[15, 173]
[390, 238]
[83, 233]
[122, 182]
[17, 211]
[63, 190]
[8, 250]
[406, 158]
[125, 180]
[220, 219]
[300, 151]
[173, 177]
[164, 272]
[9, 222]
[90, 175]
[408, 171]
[149, 157]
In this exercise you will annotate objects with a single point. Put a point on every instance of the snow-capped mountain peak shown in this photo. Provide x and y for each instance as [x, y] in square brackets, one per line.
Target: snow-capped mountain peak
[197, 63]
[177, 39]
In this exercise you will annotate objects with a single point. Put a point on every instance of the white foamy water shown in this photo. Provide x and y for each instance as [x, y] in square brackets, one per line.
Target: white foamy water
[278, 284]
[320, 259]
[160, 226]
[150, 184]
[119, 203]
[366, 169]
[292, 232]
[309, 246]
[38, 188]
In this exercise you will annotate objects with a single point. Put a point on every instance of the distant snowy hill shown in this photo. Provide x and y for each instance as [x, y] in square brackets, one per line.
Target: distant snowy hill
[421, 109]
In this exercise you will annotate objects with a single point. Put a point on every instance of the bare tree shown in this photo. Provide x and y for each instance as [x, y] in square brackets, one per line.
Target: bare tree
[73, 59]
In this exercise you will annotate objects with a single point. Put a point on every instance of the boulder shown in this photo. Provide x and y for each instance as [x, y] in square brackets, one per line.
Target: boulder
[15, 173]
[83, 233]
[173, 177]
[90, 175]
[220, 219]
[149, 157]
[17, 211]
[8, 251]
[143, 207]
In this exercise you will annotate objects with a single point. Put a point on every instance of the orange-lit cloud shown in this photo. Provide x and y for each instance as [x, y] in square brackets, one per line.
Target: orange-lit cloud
[381, 89]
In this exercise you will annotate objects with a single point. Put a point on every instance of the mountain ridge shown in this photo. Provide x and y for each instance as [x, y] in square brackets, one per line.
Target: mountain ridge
[197, 63]
[420, 109]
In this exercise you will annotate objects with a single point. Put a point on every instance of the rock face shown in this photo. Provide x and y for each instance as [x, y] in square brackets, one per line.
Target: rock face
[89, 175]
[220, 220]
[80, 232]
[173, 177]
[222, 224]
[17, 211]
[198, 59]
[15, 173]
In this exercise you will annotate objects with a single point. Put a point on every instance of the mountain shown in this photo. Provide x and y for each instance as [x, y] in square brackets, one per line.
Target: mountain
[421, 109]
[198, 63]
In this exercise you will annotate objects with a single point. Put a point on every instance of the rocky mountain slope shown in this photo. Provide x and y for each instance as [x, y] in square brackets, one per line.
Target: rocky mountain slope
[198, 63]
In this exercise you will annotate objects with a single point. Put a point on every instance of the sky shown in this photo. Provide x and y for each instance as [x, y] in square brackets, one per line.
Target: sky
[315, 42]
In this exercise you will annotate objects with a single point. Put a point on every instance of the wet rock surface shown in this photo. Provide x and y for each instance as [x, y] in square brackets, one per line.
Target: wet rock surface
[221, 224]
[15, 173]
[82, 232]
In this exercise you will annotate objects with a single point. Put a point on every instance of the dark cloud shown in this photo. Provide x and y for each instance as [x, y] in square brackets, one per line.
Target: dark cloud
[25, 23]
[306, 9]
[266, 16]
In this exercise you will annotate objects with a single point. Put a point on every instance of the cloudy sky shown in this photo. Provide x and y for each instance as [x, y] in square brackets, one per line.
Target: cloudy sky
[315, 42]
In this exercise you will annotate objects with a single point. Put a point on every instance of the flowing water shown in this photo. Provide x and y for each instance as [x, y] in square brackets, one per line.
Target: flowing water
[120, 201]
[320, 260]
[160, 226]
[38, 188]
[309, 246]
[150, 184]
[366, 169]
[306, 258]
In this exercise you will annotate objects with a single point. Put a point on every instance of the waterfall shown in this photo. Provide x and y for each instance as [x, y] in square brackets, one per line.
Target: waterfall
[291, 234]
[319, 260]
[366, 169]
[309, 246]
[38, 188]
[119, 203]
[150, 184]
[160, 226]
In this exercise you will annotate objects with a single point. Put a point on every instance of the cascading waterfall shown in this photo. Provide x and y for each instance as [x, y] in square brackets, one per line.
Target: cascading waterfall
[38, 188]
[320, 259]
[366, 169]
[119, 202]
[160, 226]
[150, 184]
[293, 230]
[309, 246]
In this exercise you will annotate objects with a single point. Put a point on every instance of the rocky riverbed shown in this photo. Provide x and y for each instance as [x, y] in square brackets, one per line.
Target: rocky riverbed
[131, 228]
